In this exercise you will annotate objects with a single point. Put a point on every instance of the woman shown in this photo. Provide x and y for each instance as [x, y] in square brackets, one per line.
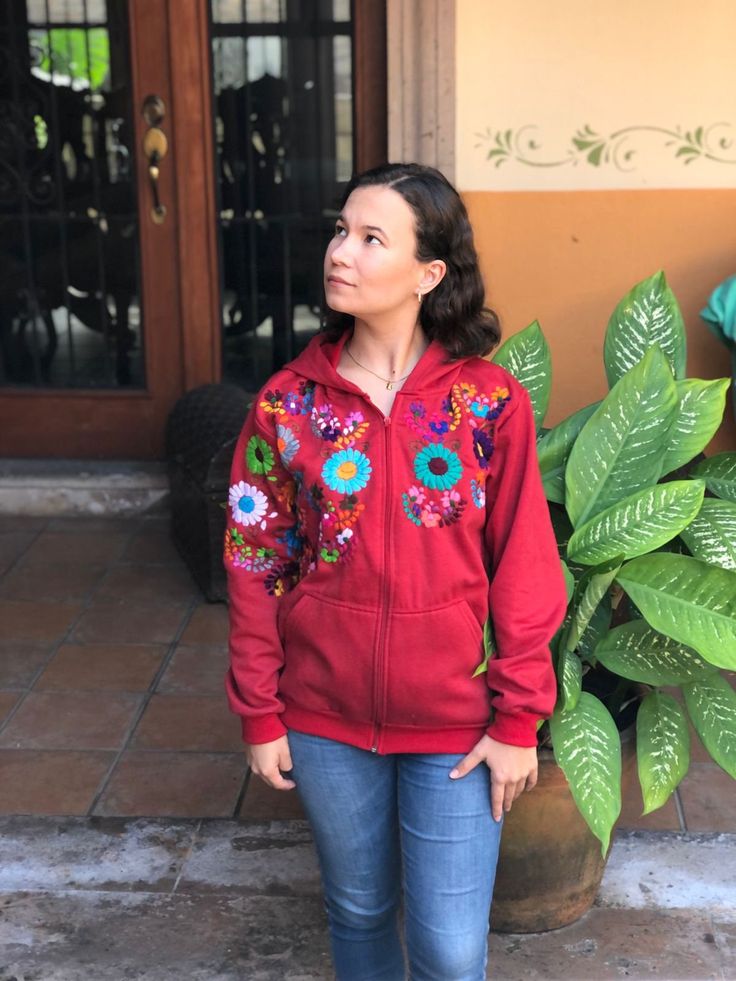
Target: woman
[385, 499]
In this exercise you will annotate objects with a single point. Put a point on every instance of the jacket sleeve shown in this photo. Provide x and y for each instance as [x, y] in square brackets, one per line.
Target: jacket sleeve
[262, 546]
[527, 595]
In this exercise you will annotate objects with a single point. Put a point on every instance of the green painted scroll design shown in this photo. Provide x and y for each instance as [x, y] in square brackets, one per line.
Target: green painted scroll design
[589, 147]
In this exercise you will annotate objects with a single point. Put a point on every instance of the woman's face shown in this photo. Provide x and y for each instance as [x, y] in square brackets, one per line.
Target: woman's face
[370, 265]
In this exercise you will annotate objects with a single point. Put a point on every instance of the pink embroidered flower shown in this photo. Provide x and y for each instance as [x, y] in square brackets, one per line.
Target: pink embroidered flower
[416, 496]
[450, 499]
[430, 518]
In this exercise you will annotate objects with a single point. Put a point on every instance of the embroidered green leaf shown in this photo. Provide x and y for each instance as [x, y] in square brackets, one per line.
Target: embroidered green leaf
[719, 474]
[687, 599]
[711, 704]
[637, 524]
[554, 448]
[526, 355]
[648, 314]
[621, 447]
[662, 748]
[640, 653]
[700, 406]
[587, 747]
[711, 535]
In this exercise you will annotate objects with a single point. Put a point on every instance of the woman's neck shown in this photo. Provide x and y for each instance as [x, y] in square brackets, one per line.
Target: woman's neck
[390, 354]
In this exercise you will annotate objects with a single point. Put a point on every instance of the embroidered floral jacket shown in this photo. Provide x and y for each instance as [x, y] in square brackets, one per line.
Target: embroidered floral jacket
[365, 553]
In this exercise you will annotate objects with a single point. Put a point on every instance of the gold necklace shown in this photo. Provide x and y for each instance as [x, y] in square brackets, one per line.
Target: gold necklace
[390, 382]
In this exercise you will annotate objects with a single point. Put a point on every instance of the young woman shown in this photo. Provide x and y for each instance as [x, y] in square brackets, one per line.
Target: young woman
[385, 501]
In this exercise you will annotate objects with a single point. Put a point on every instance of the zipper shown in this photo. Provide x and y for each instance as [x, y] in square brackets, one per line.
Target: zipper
[379, 677]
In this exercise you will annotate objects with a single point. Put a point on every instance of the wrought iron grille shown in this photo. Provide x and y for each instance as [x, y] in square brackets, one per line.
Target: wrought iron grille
[283, 114]
[69, 283]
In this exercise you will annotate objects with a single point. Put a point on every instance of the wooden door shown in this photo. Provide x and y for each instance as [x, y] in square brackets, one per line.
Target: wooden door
[108, 310]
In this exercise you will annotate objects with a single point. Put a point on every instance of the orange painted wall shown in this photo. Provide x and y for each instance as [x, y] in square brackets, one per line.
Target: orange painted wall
[566, 259]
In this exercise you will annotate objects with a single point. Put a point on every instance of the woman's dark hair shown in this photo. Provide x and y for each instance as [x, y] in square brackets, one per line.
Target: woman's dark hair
[453, 312]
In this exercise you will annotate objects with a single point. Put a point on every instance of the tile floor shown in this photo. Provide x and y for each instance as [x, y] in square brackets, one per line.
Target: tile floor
[111, 687]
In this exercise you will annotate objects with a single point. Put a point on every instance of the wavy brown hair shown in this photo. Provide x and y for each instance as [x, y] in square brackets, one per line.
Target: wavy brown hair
[452, 313]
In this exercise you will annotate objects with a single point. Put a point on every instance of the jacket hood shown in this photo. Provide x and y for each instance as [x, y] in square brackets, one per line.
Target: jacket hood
[318, 362]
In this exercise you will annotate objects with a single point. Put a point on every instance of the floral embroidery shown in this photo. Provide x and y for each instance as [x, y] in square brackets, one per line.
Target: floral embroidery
[347, 471]
[437, 467]
[282, 578]
[286, 443]
[297, 403]
[478, 493]
[249, 505]
[259, 455]
[245, 556]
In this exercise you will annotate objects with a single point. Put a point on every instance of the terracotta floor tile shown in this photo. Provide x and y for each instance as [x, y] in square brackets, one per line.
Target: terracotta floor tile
[12, 546]
[50, 782]
[188, 722]
[111, 667]
[111, 621]
[36, 621]
[196, 668]
[263, 803]
[208, 625]
[153, 543]
[19, 662]
[708, 797]
[82, 546]
[150, 784]
[665, 818]
[143, 583]
[7, 700]
[71, 720]
[56, 581]
[83, 524]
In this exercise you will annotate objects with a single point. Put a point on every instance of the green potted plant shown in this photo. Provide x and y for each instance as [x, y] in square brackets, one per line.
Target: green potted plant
[646, 528]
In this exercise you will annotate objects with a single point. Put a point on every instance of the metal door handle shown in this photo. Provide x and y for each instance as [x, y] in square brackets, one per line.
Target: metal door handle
[155, 147]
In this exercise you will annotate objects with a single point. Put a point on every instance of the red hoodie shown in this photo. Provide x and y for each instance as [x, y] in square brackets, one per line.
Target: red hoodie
[365, 551]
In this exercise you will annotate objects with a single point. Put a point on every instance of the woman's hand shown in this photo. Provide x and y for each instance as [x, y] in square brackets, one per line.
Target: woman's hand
[513, 769]
[267, 760]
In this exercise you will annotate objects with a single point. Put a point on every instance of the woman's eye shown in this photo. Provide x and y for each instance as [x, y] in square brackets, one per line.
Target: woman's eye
[373, 238]
[339, 230]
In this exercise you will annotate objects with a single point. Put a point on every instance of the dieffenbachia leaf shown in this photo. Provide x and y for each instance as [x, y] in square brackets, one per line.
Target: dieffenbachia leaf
[640, 653]
[526, 355]
[700, 406]
[587, 747]
[620, 449]
[687, 599]
[711, 535]
[554, 448]
[662, 748]
[719, 474]
[648, 314]
[711, 704]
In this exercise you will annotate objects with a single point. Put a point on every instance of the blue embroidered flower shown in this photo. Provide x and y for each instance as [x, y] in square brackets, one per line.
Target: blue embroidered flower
[437, 467]
[287, 443]
[347, 471]
[478, 493]
[438, 426]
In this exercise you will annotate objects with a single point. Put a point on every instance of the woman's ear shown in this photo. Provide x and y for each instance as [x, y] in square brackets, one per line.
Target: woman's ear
[434, 272]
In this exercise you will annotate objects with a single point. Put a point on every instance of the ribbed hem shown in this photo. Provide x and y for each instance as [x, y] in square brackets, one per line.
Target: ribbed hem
[265, 729]
[383, 739]
[519, 729]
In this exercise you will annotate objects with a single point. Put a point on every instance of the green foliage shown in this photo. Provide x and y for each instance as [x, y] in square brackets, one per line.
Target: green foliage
[649, 562]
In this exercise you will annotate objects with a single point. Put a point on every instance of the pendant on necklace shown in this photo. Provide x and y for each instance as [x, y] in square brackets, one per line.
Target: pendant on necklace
[389, 386]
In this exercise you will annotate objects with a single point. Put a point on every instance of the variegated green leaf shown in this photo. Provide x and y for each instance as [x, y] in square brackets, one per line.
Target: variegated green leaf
[719, 474]
[640, 653]
[700, 407]
[598, 626]
[489, 647]
[587, 747]
[687, 599]
[648, 314]
[588, 594]
[637, 524]
[711, 704]
[570, 680]
[711, 535]
[526, 355]
[554, 448]
[621, 447]
[662, 748]
[569, 580]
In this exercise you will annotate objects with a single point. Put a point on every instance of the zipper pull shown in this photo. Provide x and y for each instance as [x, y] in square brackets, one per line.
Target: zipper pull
[387, 421]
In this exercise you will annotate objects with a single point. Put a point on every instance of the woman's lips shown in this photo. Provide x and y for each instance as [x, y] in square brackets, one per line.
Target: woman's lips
[337, 281]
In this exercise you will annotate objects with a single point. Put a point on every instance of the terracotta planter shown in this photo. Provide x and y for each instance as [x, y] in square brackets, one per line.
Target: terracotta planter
[550, 866]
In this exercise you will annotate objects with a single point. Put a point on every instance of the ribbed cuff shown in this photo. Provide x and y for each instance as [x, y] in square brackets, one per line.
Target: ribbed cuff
[519, 729]
[264, 729]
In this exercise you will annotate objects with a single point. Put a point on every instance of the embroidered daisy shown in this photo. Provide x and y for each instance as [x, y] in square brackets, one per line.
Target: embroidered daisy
[347, 471]
[249, 505]
[259, 455]
[437, 467]
[286, 443]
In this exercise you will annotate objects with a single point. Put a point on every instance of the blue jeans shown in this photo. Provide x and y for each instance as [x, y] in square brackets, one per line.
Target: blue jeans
[380, 822]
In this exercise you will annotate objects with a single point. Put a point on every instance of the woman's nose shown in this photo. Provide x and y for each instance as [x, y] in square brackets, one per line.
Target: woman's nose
[341, 251]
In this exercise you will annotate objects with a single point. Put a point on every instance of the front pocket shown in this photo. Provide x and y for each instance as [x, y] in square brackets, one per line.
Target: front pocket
[328, 662]
[432, 655]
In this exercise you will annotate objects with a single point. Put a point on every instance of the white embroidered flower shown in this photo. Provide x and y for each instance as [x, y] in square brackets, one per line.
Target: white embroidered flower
[249, 505]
